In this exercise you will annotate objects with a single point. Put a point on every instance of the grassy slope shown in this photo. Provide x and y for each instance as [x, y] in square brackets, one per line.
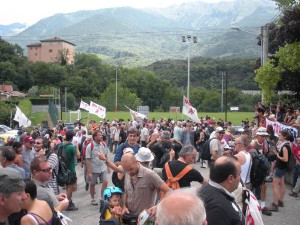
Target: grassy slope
[234, 117]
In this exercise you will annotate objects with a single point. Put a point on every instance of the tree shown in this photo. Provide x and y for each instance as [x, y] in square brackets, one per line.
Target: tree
[268, 77]
[125, 97]
[63, 56]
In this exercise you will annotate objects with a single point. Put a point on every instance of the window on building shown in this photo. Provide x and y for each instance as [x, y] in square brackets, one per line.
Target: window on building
[50, 50]
[35, 54]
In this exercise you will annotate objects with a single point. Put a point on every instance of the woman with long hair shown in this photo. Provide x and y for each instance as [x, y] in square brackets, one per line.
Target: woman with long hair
[38, 211]
[282, 157]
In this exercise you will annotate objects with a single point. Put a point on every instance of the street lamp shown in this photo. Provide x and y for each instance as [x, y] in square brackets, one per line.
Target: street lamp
[116, 106]
[264, 36]
[188, 38]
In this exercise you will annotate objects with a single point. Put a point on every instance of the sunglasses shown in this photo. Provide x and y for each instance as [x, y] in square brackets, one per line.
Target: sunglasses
[38, 143]
[47, 170]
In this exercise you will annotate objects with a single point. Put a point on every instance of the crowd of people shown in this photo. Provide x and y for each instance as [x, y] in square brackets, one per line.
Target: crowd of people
[146, 152]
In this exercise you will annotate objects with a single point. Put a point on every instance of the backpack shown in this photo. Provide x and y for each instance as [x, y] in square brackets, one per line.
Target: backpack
[165, 155]
[172, 182]
[63, 176]
[291, 161]
[259, 170]
[205, 153]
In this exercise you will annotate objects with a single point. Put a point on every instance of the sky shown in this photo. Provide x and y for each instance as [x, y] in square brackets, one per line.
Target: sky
[31, 11]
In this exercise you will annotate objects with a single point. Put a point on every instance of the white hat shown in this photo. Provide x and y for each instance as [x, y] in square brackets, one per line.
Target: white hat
[219, 129]
[144, 155]
[262, 131]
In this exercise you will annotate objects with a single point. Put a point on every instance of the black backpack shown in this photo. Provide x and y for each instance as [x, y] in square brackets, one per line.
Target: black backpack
[259, 170]
[64, 174]
[205, 153]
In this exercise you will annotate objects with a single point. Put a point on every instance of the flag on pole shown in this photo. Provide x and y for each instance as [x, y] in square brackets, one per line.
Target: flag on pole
[136, 115]
[189, 110]
[21, 118]
[84, 106]
[97, 110]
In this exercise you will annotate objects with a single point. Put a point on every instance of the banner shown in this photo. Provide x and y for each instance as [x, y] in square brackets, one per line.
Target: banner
[136, 115]
[84, 106]
[279, 126]
[189, 110]
[21, 118]
[97, 110]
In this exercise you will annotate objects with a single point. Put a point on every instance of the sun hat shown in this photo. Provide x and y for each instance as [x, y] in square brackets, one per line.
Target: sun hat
[144, 155]
[262, 131]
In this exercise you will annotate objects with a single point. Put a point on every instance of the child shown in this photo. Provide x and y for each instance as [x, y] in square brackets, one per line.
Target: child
[110, 208]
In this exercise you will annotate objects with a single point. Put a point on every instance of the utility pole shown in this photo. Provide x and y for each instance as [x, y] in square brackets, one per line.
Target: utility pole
[222, 94]
[265, 48]
[116, 106]
[226, 94]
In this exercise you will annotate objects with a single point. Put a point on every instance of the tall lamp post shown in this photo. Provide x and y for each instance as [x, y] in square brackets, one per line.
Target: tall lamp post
[188, 39]
[264, 35]
[116, 106]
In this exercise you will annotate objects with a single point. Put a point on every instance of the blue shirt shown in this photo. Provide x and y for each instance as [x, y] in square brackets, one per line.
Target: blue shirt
[27, 156]
[21, 170]
[121, 147]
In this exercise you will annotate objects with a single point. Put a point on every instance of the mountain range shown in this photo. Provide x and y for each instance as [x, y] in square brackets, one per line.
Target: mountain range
[139, 37]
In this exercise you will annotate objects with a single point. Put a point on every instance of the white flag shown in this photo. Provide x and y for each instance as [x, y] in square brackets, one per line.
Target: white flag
[21, 118]
[136, 115]
[84, 106]
[97, 110]
[189, 110]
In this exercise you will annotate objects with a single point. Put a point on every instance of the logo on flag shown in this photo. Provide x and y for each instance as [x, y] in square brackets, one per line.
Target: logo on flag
[189, 110]
[97, 110]
[84, 106]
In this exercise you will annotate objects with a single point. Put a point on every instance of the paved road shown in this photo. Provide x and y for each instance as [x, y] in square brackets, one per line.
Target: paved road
[89, 214]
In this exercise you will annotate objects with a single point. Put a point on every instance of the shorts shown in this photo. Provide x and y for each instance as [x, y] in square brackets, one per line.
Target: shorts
[279, 173]
[102, 177]
[72, 187]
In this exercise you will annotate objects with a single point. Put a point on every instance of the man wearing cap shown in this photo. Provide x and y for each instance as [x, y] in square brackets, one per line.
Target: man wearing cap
[215, 144]
[187, 156]
[259, 146]
[12, 193]
[27, 154]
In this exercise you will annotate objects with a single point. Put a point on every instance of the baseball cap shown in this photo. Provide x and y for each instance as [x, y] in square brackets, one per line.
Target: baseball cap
[219, 130]
[28, 139]
[11, 181]
[262, 132]
[144, 155]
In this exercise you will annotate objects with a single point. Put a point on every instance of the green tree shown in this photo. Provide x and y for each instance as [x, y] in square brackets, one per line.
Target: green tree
[125, 97]
[268, 77]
